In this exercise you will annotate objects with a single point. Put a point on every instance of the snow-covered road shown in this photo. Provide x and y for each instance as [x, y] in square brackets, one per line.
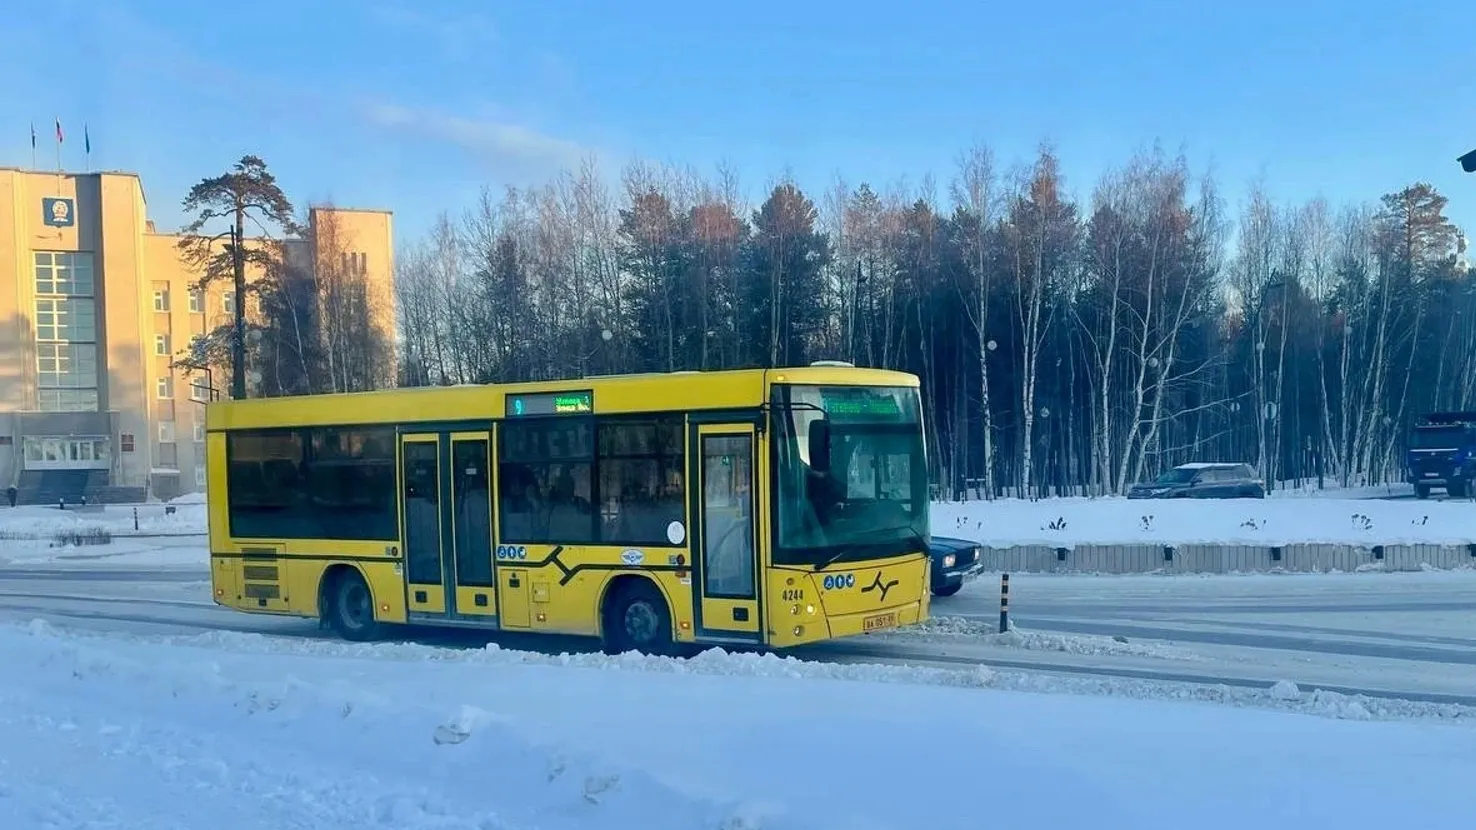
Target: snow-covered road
[1410, 636]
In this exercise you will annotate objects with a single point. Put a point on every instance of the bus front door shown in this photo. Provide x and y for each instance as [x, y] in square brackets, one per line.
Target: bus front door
[724, 546]
[446, 524]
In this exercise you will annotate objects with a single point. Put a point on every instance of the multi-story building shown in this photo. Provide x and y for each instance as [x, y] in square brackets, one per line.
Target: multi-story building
[95, 305]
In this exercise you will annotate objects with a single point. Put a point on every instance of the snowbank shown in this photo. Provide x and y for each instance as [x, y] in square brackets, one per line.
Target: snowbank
[1067, 522]
[42, 522]
[107, 731]
[105, 534]
[49, 534]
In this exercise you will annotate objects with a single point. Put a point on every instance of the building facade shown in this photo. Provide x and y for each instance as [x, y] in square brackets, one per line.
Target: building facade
[95, 305]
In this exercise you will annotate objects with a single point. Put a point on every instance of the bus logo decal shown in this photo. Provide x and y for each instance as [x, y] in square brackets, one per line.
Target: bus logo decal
[878, 585]
[835, 582]
[632, 557]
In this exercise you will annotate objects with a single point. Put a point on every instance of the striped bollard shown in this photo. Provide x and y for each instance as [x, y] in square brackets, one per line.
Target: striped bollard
[1004, 603]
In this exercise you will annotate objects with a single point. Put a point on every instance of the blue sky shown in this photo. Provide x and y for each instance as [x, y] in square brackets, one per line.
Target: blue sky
[414, 106]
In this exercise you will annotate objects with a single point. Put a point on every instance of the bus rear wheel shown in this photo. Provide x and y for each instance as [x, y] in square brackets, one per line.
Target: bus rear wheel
[350, 606]
[637, 619]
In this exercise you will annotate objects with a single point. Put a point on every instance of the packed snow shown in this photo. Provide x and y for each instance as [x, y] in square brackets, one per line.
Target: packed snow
[115, 731]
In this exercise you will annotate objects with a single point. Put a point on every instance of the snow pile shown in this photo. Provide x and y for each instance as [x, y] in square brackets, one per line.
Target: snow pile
[1068, 522]
[38, 522]
[256, 732]
[95, 737]
[166, 535]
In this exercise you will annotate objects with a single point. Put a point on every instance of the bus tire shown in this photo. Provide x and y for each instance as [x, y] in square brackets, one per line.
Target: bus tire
[349, 605]
[637, 618]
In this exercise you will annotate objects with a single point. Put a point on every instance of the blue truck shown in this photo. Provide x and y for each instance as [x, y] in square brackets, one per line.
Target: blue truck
[1441, 453]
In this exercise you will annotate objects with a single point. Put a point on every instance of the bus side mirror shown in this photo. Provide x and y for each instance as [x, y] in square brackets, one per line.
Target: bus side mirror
[820, 445]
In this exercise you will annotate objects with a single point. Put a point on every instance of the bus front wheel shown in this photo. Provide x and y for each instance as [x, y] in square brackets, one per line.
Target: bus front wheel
[637, 619]
[350, 606]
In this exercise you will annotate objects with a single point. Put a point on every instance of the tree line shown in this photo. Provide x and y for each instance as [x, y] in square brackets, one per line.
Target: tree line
[1064, 346]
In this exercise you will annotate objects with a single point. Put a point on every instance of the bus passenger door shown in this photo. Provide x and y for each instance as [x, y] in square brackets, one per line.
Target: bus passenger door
[724, 544]
[471, 524]
[422, 502]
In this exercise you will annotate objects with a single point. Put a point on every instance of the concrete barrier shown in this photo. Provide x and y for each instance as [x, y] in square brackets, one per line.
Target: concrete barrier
[1212, 559]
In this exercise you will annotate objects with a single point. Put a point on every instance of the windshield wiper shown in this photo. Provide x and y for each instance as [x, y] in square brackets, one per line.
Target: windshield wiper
[912, 536]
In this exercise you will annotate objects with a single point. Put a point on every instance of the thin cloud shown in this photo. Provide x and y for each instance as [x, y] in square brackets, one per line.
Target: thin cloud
[495, 140]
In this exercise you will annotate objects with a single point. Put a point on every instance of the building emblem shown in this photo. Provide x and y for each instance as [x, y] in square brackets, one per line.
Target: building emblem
[58, 213]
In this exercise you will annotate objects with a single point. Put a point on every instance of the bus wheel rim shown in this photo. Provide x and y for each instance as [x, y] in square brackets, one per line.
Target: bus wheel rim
[355, 605]
[641, 622]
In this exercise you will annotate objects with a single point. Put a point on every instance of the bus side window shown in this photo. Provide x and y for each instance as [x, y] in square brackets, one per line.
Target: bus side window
[642, 475]
[544, 481]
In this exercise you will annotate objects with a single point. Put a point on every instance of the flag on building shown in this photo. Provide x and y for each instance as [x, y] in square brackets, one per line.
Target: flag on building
[33, 136]
[58, 131]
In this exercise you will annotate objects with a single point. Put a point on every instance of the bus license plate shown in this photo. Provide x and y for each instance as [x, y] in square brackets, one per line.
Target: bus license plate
[879, 622]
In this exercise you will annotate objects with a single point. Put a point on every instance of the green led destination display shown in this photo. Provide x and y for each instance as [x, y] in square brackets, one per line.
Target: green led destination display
[860, 404]
[550, 403]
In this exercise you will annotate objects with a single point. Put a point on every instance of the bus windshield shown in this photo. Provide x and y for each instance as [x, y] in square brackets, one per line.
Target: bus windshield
[850, 474]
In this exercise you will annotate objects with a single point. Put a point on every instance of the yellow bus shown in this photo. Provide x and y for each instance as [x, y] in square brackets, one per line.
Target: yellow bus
[656, 512]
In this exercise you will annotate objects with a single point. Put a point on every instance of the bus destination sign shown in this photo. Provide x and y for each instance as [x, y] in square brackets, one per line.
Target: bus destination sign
[550, 403]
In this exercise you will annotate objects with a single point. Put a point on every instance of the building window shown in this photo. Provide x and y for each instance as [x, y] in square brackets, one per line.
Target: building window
[66, 332]
[166, 431]
[66, 377]
[164, 387]
[64, 273]
[199, 390]
[197, 301]
[354, 262]
[125, 441]
[199, 432]
[168, 456]
[161, 299]
[71, 453]
[200, 474]
[67, 400]
[161, 344]
[66, 318]
[228, 301]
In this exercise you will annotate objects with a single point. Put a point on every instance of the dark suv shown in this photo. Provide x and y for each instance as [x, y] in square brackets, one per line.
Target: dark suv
[1203, 481]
